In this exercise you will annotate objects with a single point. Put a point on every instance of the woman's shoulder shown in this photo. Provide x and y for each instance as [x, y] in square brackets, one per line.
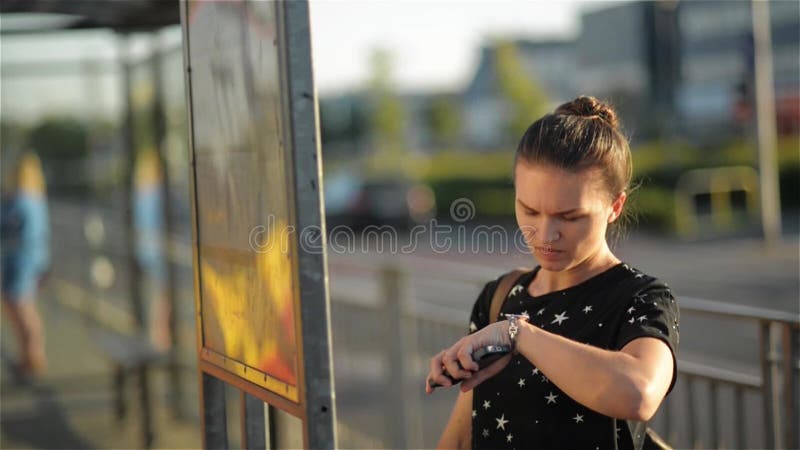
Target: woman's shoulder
[639, 279]
[636, 285]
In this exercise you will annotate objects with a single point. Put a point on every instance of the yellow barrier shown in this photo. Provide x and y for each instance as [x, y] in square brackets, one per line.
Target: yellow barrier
[719, 183]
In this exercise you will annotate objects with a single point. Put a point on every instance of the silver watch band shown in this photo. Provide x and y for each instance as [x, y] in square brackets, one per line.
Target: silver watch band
[513, 328]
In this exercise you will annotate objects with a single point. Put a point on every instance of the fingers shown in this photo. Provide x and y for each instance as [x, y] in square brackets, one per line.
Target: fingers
[451, 360]
[488, 372]
[464, 356]
[435, 375]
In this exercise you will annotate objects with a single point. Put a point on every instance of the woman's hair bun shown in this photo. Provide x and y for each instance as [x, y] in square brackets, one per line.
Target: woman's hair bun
[590, 107]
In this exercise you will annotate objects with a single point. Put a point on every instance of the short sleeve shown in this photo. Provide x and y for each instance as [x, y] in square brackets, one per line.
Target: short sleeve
[479, 317]
[653, 312]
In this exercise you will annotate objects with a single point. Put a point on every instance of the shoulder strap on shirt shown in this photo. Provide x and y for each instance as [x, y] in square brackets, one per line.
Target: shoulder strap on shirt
[503, 288]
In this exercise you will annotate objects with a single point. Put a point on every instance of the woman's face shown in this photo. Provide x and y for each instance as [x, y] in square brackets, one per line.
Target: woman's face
[564, 215]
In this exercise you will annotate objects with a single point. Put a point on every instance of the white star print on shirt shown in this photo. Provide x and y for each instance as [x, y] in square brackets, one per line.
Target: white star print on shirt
[587, 309]
[472, 327]
[540, 312]
[521, 382]
[474, 413]
[551, 398]
[515, 290]
[501, 422]
[642, 318]
[509, 437]
[560, 317]
[631, 321]
[485, 432]
[487, 404]
[631, 310]
[535, 371]
[578, 418]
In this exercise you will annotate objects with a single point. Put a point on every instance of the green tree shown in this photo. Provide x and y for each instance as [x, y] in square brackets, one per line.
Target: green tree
[59, 138]
[444, 119]
[63, 144]
[526, 99]
[388, 118]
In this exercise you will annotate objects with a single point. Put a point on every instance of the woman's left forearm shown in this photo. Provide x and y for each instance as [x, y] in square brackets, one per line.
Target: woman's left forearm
[613, 383]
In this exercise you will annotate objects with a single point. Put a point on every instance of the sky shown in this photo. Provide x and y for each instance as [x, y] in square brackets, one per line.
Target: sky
[435, 45]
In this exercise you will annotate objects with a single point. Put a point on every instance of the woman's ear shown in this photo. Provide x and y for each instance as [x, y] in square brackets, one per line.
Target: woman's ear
[616, 207]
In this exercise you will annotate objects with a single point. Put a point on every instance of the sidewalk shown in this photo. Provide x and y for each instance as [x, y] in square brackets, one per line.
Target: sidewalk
[71, 406]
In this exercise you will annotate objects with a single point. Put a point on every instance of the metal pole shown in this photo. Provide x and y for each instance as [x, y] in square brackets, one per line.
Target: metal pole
[712, 409]
[159, 127]
[144, 397]
[692, 413]
[215, 432]
[134, 271]
[667, 410]
[303, 139]
[392, 285]
[131, 240]
[254, 434]
[740, 424]
[765, 120]
[791, 396]
[770, 396]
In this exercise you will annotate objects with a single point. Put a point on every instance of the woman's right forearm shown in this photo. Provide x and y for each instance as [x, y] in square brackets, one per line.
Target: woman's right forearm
[458, 432]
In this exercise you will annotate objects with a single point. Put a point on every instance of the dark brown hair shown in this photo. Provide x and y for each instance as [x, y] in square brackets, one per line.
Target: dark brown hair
[579, 135]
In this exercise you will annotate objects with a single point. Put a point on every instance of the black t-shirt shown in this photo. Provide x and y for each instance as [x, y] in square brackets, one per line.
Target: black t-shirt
[519, 407]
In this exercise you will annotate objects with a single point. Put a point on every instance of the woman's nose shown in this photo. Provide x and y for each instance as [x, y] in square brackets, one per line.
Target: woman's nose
[549, 232]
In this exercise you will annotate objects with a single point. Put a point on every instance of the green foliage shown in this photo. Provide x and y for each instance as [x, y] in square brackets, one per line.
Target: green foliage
[59, 138]
[388, 112]
[525, 97]
[485, 178]
[454, 164]
[652, 207]
[444, 119]
[492, 197]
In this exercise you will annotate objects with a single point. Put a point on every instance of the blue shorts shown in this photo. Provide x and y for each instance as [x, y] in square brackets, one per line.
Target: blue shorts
[20, 282]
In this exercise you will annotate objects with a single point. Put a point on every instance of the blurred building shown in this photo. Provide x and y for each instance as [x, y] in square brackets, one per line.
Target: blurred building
[551, 63]
[716, 49]
[344, 125]
[627, 54]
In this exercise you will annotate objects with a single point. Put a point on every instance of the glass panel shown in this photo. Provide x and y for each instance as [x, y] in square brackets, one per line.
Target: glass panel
[247, 298]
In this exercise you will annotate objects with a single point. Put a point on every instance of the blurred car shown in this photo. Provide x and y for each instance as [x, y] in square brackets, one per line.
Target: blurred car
[355, 202]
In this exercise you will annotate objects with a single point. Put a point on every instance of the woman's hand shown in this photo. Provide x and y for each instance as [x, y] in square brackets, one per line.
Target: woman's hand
[458, 362]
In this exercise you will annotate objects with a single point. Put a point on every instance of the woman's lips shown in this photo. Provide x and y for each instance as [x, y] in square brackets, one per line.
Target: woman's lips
[548, 252]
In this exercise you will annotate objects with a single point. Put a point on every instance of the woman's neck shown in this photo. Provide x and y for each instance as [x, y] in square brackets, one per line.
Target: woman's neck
[549, 281]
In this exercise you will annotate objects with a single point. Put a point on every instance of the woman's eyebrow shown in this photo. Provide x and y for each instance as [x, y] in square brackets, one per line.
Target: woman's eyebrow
[556, 214]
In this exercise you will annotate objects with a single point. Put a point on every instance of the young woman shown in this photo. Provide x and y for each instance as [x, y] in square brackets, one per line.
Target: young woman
[25, 257]
[598, 345]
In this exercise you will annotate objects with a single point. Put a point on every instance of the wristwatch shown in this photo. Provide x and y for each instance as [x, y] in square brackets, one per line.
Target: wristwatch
[513, 328]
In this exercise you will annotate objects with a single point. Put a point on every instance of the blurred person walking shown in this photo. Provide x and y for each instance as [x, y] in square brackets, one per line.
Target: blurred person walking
[148, 217]
[25, 229]
[591, 339]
